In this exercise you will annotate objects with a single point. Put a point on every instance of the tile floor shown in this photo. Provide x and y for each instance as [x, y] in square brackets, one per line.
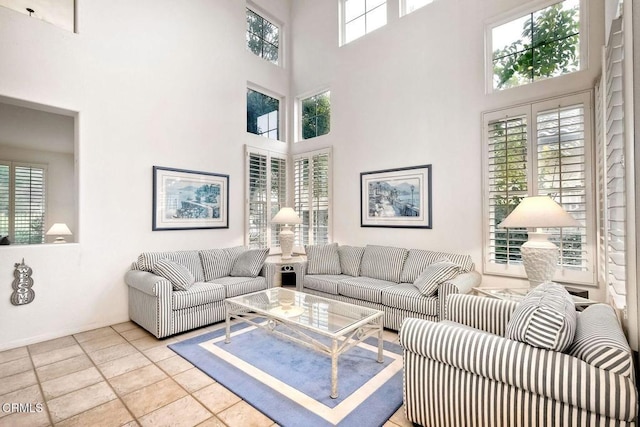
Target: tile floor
[120, 376]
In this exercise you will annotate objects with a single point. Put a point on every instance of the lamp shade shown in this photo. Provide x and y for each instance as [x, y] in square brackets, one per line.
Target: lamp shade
[537, 212]
[286, 216]
[59, 229]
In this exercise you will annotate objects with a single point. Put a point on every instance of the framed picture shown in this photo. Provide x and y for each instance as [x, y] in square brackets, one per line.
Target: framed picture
[396, 197]
[185, 200]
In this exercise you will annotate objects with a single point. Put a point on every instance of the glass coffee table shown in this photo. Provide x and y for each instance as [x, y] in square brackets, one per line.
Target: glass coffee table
[322, 324]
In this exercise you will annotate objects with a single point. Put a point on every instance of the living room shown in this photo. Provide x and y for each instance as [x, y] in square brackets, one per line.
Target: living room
[164, 84]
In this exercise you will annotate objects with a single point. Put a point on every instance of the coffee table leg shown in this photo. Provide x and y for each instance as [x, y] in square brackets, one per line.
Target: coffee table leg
[380, 344]
[334, 369]
[227, 339]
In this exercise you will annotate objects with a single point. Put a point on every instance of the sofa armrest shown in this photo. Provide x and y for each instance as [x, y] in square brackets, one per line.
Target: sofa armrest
[148, 283]
[300, 268]
[550, 374]
[487, 314]
[461, 284]
[268, 272]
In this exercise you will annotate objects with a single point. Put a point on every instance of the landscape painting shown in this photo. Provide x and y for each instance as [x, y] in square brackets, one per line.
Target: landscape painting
[184, 199]
[396, 197]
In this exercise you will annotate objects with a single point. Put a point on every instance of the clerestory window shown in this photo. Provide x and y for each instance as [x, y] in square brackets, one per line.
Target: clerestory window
[360, 17]
[263, 37]
[315, 115]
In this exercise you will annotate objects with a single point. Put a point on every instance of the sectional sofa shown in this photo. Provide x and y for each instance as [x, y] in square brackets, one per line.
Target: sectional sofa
[401, 282]
[172, 292]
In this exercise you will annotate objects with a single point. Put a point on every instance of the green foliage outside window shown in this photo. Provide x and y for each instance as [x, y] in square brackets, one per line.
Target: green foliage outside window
[316, 113]
[262, 37]
[549, 46]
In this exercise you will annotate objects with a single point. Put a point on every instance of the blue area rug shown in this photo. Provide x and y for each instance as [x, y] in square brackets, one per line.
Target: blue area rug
[291, 384]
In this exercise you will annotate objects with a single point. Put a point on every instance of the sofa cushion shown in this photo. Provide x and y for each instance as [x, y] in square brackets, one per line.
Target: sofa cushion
[545, 318]
[324, 282]
[419, 259]
[363, 288]
[235, 286]
[600, 342]
[350, 258]
[435, 274]
[189, 259]
[179, 275]
[198, 294]
[234, 252]
[405, 296]
[323, 259]
[383, 262]
[215, 263]
[249, 263]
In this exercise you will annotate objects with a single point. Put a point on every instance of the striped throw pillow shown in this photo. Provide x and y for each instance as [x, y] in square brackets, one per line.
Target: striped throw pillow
[190, 259]
[249, 263]
[216, 263]
[545, 318]
[434, 275]
[179, 275]
[350, 258]
[323, 259]
[419, 259]
[600, 342]
[383, 262]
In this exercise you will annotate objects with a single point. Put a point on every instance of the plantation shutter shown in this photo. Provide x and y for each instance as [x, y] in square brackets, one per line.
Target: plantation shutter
[561, 171]
[5, 210]
[600, 182]
[539, 149]
[312, 197]
[29, 204]
[267, 192]
[278, 192]
[614, 167]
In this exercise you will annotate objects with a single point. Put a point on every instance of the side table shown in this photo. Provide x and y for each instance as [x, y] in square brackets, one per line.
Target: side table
[517, 294]
[283, 266]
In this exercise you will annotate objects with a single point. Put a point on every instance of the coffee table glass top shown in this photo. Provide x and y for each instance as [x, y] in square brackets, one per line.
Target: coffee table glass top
[310, 311]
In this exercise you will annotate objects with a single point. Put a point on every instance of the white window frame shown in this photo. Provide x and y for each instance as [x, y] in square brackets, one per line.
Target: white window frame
[12, 189]
[343, 24]
[282, 131]
[516, 269]
[309, 155]
[403, 7]
[275, 22]
[519, 13]
[299, 114]
[271, 232]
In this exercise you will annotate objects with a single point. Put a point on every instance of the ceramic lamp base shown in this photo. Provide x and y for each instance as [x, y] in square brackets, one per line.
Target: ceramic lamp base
[286, 242]
[540, 258]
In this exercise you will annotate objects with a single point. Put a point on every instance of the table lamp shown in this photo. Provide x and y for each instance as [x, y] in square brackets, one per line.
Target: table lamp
[286, 217]
[539, 255]
[60, 230]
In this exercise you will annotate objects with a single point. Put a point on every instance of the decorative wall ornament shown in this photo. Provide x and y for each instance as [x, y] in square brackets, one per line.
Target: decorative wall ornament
[22, 292]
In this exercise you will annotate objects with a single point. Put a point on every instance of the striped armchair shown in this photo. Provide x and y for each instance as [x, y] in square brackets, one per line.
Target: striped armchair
[463, 372]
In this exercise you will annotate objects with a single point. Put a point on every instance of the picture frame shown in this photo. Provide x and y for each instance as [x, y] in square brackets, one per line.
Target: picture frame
[398, 197]
[188, 200]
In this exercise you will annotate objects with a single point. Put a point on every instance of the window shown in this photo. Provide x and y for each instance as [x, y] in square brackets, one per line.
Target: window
[538, 45]
[312, 197]
[263, 116]
[360, 17]
[540, 149]
[262, 37]
[267, 193]
[316, 112]
[408, 6]
[22, 202]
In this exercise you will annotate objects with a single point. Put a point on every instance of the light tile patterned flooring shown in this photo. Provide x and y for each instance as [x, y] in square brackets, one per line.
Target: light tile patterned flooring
[120, 376]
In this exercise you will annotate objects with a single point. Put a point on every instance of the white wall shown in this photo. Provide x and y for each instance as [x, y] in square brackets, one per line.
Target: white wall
[154, 83]
[412, 93]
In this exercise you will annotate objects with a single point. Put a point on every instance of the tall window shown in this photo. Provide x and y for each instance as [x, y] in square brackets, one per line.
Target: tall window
[22, 202]
[408, 6]
[266, 194]
[538, 45]
[540, 149]
[263, 115]
[263, 37]
[312, 196]
[360, 17]
[315, 117]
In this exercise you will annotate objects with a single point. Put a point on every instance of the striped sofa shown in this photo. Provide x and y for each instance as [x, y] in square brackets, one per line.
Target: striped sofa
[464, 372]
[386, 278]
[160, 303]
